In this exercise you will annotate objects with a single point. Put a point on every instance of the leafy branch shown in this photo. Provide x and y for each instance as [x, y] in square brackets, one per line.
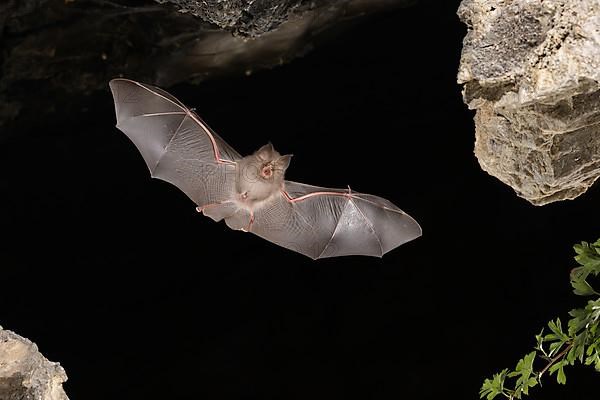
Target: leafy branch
[558, 348]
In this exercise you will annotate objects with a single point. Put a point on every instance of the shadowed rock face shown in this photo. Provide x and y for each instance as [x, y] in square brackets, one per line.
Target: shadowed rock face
[59, 49]
[247, 17]
[25, 373]
[531, 70]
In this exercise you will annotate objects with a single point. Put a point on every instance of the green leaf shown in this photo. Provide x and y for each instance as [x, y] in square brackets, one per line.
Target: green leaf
[577, 351]
[555, 367]
[581, 318]
[580, 248]
[579, 283]
[561, 377]
[590, 261]
[524, 372]
[493, 387]
[554, 348]
[557, 332]
[589, 256]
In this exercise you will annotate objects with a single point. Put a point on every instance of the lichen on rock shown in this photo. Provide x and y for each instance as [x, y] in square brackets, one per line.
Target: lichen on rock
[531, 69]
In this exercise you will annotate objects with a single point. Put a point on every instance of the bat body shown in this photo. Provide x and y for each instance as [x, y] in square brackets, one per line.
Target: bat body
[251, 193]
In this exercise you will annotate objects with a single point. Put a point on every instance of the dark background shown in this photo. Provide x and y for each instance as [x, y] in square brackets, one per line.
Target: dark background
[117, 277]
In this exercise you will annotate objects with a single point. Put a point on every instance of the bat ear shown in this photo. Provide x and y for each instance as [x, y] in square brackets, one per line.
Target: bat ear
[284, 161]
[266, 152]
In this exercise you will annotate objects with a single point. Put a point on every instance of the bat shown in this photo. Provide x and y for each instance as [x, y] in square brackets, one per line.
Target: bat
[250, 193]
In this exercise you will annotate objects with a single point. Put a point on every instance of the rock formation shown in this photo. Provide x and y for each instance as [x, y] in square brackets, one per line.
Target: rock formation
[247, 17]
[25, 373]
[59, 49]
[531, 69]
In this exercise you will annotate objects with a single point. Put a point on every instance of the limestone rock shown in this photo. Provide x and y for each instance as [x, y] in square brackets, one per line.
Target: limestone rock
[531, 69]
[25, 374]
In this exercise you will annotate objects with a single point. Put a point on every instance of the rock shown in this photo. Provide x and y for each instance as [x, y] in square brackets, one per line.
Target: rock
[531, 69]
[25, 373]
[246, 17]
[48, 62]
[265, 39]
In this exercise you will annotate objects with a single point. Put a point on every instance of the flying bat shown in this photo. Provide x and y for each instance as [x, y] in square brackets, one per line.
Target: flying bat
[250, 193]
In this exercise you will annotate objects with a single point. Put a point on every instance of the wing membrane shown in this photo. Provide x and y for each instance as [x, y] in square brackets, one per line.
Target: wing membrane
[176, 144]
[321, 222]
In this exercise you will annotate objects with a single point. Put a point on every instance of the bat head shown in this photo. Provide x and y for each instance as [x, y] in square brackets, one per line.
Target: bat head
[262, 173]
[272, 164]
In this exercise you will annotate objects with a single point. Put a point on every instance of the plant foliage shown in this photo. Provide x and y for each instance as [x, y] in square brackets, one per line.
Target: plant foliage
[558, 347]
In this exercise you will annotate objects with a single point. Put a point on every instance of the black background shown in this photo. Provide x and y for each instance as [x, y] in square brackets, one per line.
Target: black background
[117, 277]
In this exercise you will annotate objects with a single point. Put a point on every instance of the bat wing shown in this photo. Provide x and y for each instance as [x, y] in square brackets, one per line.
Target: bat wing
[320, 222]
[176, 144]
